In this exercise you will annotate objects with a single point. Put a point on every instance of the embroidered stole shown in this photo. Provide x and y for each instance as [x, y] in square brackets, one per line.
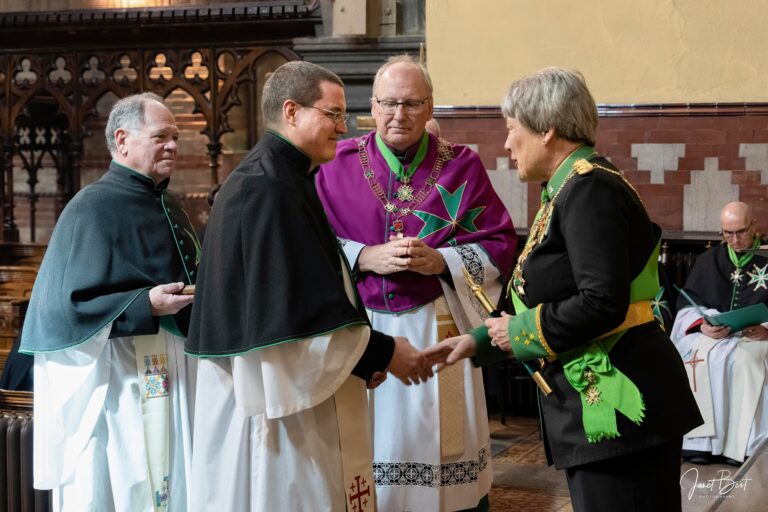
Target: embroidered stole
[355, 437]
[450, 385]
[746, 386]
[697, 369]
[152, 368]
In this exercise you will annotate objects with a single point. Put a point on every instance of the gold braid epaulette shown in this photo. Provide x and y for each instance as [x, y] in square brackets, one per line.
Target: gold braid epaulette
[583, 167]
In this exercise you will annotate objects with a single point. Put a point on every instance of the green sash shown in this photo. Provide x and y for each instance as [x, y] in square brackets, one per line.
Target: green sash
[603, 388]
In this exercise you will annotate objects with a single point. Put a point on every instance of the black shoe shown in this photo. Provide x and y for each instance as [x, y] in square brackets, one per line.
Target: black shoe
[732, 462]
[697, 457]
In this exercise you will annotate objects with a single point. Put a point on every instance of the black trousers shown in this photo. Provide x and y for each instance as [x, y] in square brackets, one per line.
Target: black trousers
[647, 480]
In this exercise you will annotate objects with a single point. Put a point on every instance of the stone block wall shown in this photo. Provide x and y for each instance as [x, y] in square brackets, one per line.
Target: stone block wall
[686, 162]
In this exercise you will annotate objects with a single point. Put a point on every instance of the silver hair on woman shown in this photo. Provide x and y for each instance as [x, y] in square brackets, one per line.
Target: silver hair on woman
[554, 98]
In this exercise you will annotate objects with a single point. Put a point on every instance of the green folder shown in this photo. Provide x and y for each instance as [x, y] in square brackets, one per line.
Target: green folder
[736, 319]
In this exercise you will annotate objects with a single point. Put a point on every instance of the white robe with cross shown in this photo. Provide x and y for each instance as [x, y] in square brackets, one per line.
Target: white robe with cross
[270, 431]
[734, 398]
[89, 439]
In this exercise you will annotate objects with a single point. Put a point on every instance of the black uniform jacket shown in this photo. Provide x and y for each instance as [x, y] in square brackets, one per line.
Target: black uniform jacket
[599, 240]
[271, 270]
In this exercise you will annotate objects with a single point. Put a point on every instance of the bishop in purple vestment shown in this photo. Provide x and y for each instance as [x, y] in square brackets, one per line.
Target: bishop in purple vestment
[411, 212]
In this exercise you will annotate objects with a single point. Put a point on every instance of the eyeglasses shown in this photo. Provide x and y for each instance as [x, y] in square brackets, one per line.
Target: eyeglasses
[336, 117]
[410, 106]
[738, 233]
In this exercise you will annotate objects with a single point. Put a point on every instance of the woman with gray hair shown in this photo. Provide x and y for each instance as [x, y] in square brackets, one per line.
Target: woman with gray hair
[619, 402]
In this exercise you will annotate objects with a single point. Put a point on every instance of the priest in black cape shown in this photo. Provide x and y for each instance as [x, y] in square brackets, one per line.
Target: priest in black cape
[282, 418]
[726, 370]
[104, 323]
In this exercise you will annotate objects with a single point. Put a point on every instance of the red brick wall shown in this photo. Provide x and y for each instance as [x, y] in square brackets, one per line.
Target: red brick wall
[706, 131]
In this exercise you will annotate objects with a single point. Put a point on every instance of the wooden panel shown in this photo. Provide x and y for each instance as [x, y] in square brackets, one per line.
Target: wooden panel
[12, 311]
[30, 255]
[19, 401]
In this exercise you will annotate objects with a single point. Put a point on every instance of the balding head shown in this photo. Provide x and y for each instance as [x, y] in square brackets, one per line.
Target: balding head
[403, 61]
[738, 225]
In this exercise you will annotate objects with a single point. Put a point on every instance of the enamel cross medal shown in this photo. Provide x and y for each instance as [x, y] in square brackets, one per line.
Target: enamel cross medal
[405, 191]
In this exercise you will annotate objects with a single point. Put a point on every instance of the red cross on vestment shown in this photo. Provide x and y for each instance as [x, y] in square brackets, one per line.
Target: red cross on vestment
[357, 494]
[693, 362]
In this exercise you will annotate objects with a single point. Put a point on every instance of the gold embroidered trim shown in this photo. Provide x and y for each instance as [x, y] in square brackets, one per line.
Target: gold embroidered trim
[620, 175]
[541, 222]
[444, 154]
[538, 231]
[542, 339]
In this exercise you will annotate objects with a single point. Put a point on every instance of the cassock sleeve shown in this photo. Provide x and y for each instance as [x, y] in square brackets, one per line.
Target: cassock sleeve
[377, 355]
[136, 319]
[281, 380]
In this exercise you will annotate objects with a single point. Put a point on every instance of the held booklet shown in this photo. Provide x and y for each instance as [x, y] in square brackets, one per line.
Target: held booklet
[736, 319]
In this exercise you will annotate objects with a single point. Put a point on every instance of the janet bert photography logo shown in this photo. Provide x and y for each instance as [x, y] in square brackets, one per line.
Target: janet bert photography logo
[717, 487]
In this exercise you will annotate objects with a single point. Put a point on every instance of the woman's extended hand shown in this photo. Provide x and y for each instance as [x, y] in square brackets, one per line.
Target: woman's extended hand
[498, 330]
[451, 350]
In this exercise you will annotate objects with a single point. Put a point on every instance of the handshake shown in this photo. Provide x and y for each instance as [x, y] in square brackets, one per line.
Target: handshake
[407, 364]
[413, 367]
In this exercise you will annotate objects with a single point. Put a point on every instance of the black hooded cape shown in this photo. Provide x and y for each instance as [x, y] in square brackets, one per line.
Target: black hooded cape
[271, 270]
[116, 239]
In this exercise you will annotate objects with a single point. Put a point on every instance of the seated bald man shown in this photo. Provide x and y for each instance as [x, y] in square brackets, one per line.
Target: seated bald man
[726, 369]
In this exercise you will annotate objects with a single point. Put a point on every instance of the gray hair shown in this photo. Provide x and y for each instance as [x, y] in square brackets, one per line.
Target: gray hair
[554, 98]
[128, 114]
[408, 60]
[298, 81]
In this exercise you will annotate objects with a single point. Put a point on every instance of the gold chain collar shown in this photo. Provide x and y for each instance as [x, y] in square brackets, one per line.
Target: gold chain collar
[444, 154]
[541, 222]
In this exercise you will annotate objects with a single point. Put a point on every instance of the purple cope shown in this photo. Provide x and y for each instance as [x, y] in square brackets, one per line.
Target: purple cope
[461, 207]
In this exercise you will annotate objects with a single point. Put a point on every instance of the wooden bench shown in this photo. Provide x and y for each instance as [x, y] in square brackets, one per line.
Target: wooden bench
[16, 284]
[18, 254]
[17, 281]
[12, 311]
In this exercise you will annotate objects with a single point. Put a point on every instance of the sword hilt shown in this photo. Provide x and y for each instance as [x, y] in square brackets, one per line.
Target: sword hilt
[537, 376]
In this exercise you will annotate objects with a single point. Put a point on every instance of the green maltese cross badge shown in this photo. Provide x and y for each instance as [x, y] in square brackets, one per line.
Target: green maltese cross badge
[452, 201]
[658, 304]
[759, 277]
